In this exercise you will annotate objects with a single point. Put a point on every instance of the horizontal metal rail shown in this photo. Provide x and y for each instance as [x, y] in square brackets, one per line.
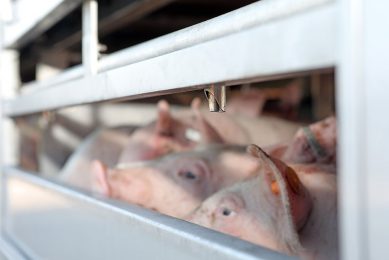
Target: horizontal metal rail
[72, 225]
[262, 12]
[303, 41]
[31, 18]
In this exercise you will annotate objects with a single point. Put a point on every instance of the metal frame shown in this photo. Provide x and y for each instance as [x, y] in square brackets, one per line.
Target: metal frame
[233, 22]
[270, 38]
[203, 63]
[363, 95]
[98, 220]
[25, 24]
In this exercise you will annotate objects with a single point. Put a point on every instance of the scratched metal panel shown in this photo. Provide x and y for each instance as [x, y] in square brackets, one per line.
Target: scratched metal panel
[49, 221]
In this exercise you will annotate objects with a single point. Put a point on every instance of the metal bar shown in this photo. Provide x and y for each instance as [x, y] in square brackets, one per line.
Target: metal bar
[259, 13]
[90, 37]
[351, 114]
[113, 18]
[296, 43]
[362, 97]
[375, 82]
[9, 83]
[9, 251]
[8, 137]
[256, 14]
[27, 25]
[78, 226]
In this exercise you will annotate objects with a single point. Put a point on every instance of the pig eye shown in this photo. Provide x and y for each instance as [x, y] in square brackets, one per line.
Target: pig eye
[188, 175]
[229, 206]
[226, 212]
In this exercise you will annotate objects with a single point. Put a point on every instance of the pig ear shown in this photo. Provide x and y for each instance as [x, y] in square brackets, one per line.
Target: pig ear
[208, 132]
[264, 158]
[196, 104]
[282, 173]
[164, 121]
[100, 176]
[256, 151]
[282, 183]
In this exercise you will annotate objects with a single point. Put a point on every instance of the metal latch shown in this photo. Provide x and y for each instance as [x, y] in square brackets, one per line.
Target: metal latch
[216, 95]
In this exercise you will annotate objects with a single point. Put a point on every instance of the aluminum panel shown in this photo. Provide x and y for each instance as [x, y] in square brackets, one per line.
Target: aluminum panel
[50, 221]
[299, 42]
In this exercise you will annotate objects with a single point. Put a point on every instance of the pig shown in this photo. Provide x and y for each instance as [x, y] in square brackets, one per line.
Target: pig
[176, 183]
[315, 143]
[263, 131]
[169, 133]
[319, 236]
[250, 102]
[166, 134]
[105, 144]
[129, 143]
[185, 131]
[291, 209]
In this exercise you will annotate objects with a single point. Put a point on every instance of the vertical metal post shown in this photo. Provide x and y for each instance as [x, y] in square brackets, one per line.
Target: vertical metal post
[376, 83]
[352, 132]
[363, 104]
[9, 138]
[90, 37]
[2, 191]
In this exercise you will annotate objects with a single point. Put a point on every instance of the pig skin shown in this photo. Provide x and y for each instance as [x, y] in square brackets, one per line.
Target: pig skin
[256, 219]
[303, 150]
[319, 236]
[106, 144]
[263, 131]
[176, 183]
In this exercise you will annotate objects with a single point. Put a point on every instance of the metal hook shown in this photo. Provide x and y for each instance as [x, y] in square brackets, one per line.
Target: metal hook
[216, 96]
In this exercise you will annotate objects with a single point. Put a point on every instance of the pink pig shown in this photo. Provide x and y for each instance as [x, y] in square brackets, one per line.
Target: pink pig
[315, 143]
[177, 183]
[292, 210]
[165, 135]
[263, 131]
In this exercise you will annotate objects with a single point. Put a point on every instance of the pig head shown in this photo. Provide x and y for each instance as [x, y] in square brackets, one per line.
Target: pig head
[177, 183]
[267, 209]
[166, 135]
[315, 143]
